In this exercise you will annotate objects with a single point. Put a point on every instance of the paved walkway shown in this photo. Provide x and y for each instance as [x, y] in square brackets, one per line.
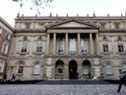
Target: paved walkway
[30, 89]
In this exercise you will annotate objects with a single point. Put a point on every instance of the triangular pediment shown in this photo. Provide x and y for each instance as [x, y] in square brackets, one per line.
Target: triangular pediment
[73, 24]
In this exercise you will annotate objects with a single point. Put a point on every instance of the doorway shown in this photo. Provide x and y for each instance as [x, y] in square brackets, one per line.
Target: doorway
[59, 69]
[73, 74]
[86, 70]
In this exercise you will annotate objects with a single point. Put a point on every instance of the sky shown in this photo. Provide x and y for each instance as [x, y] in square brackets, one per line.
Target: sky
[9, 9]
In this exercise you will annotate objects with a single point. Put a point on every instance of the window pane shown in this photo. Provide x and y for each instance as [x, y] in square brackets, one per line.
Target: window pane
[37, 69]
[72, 46]
[105, 48]
[20, 69]
[120, 48]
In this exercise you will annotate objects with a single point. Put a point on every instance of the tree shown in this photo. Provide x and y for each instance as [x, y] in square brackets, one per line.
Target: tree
[34, 4]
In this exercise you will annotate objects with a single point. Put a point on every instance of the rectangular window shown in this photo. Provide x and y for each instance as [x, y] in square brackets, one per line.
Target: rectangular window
[20, 69]
[120, 48]
[105, 48]
[24, 46]
[39, 49]
[72, 46]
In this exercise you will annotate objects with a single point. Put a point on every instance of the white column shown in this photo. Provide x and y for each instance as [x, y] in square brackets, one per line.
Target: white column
[54, 43]
[91, 45]
[48, 43]
[78, 43]
[97, 44]
[66, 44]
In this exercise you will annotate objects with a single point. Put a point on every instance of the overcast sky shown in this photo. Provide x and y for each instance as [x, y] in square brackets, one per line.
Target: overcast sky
[9, 9]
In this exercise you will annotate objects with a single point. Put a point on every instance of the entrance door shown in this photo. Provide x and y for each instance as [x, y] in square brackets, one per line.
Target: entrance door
[73, 70]
[59, 69]
[86, 70]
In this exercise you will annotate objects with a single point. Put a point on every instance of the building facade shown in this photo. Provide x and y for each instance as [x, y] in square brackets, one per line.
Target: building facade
[52, 48]
[6, 32]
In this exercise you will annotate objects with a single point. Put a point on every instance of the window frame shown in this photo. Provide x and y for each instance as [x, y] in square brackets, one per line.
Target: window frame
[105, 47]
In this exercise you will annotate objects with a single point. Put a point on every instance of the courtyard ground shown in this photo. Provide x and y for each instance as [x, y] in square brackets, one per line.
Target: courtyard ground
[43, 89]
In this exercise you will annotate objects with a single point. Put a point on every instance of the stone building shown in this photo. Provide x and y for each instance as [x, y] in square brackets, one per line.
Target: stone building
[62, 48]
[6, 32]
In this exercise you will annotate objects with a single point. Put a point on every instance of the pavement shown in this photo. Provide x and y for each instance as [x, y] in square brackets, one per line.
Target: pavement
[64, 89]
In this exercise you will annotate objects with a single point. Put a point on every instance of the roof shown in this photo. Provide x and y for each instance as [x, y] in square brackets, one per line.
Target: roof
[6, 24]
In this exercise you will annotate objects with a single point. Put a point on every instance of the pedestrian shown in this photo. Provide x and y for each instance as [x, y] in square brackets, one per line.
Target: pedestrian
[122, 81]
[13, 77]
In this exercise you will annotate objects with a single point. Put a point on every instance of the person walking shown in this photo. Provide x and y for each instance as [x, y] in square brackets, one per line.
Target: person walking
[122, 81]
[13, 77]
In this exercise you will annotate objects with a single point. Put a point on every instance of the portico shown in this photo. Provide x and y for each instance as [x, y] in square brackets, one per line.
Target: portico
[71, 40]
[69, 43]
[74, 35]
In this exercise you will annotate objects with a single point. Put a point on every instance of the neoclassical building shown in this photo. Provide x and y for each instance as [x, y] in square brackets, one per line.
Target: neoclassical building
[6, 32]
[64, 48]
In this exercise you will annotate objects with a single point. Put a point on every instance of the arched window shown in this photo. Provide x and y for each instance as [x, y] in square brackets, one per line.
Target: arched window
[59, 66]
[37, 68]
[59, 69]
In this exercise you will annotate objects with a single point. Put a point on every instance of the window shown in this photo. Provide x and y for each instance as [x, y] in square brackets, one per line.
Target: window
[5, 47]
[24, 45]
[60, 50]
[39, 44]
[105, 48]
[8, 36]
[39, 49]
[120, 48]
[72, 46]
[123, 67]
[84, 47]
[20, 69]
[108, 71]
[105, 38]
[37, 68]
[60, 46]
[23, 49]
[119, 38]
